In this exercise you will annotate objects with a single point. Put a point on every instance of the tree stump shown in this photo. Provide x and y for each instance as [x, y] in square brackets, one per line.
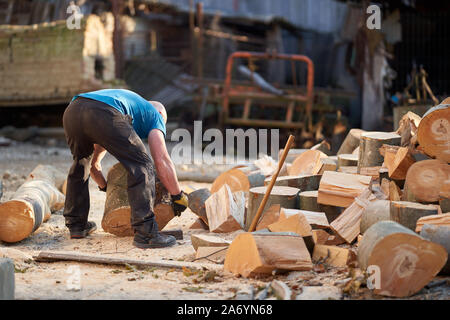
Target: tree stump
[252, 254]
[425, 180]
[369, 155]
[433, 133]
[406, 261]
[117, 212]
[407, 213]
[286, 197]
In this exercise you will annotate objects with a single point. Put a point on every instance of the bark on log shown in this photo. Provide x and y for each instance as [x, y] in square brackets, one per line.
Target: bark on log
[197, 201]
[238, 179]
[439, 235]
[407, 213]
[29, 207]
[308, 163]
[439, 220]
[340, 189]
[369, 155]
[433, 133]
[225, 210]
[351, 142]
[406, 261]
[286, 197]
[252, 254]
[50, 174]
[426, 180]
[308, 202]
[376, 211]
[117, 213]
[302, 182]
[347, 160]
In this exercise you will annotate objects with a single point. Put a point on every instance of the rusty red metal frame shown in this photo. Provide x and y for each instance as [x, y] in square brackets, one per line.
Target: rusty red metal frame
[229, 92]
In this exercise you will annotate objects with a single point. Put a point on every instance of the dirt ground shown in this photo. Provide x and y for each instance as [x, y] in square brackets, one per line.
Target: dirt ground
[53, 280]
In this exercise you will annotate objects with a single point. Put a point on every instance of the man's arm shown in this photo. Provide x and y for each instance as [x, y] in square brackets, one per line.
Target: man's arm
[164, 165]
[96, 167]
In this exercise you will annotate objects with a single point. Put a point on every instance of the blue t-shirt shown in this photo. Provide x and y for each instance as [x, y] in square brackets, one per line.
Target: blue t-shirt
[145, 116]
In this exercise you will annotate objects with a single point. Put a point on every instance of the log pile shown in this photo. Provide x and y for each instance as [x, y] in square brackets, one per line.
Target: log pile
[376, 195]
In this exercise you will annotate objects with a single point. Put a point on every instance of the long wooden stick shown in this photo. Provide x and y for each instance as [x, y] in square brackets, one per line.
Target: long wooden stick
[288, 146]
[53, 256]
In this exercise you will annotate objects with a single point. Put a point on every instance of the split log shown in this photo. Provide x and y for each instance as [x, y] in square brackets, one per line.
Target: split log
[433, 133]
[211, 254]
[197, 201]
[286, 197]
[347, 160]
[323, 146]
[439, 235]
[202, 240]
[398, 163]
[369, 155]
[296, 223]
[252, 254]
[302, 182]
[426, 180]
[317, 220]
[238, 179]
[29, 207]
[328, 164]
[407, 129]
[438, 220]
[199, 224]
[351, 142]
[376, 211]
[407, 213]
[406, 261]
[320, 236]
[269, 216]
[340, 189]
[347, 225]
[308, 202]
[334, 256]
[308, 163]
[225, 210]
[373, 172]
[117, 213]
[348, 169]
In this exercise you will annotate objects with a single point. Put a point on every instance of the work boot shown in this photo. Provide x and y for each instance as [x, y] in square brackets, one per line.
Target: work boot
[155, 240]
[79, 234]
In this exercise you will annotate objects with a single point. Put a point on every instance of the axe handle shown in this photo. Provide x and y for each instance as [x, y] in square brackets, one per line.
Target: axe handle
[271, 184]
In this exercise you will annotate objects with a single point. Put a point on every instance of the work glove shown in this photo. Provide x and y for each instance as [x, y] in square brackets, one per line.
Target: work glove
[179, 203]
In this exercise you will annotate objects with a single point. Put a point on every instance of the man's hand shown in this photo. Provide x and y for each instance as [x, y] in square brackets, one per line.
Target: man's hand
[97, 175]
[179, 203]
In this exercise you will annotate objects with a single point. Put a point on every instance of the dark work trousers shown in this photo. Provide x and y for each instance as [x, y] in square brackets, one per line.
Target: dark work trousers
[86, 122]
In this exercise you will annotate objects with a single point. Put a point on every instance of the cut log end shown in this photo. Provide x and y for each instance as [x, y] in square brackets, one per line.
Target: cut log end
[16, 220]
